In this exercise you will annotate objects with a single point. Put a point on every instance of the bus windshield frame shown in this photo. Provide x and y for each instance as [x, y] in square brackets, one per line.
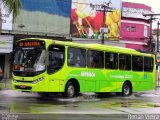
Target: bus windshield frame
[29, 61]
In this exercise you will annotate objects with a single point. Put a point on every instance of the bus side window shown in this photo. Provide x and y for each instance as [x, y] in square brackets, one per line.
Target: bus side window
[137, 63]
[76, 57]
[70, 59]
[124, 62]
[95, 59]
[94, 63]
[148, 64]
[111, 60]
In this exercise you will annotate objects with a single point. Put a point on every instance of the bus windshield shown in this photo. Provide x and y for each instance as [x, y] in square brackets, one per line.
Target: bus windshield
[29, 60]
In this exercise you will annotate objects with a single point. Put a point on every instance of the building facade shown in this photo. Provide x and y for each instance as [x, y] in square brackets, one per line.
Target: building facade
[6, 43]
[135, 27]
[6, 47]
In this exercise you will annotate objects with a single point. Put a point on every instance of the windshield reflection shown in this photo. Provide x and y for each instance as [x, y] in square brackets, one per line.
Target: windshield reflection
[29, 60]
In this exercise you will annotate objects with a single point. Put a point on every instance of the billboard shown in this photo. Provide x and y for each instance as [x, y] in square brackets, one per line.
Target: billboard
[46, 17]
[90, 18]
[7, 18]
[6, 44]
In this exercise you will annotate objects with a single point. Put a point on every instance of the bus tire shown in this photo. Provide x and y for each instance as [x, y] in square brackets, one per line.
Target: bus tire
[127, 89]
[70, 90]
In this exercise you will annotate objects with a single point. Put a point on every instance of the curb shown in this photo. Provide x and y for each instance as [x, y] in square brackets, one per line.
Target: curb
[5, 85]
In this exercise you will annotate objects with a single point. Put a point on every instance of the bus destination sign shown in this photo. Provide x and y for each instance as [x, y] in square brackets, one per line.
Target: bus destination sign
[30, 44]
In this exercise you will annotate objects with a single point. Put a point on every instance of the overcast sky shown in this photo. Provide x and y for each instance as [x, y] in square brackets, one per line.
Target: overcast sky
[154, 4]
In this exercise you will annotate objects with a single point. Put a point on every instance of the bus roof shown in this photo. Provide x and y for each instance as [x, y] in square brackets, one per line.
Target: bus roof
[104, 47]
[93, 46]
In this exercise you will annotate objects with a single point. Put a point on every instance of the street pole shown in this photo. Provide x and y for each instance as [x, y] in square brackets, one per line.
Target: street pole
[158, 36]
[151, 18]
[158, 52]
[104, 15]
[151, 32]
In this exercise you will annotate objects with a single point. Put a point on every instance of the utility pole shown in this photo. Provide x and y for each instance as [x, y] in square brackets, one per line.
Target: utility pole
[104, 14]
[104, 8]
[158, 36]
[158, 55]
[151, 19]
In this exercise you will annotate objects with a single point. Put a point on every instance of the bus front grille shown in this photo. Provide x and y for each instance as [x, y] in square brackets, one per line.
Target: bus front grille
[23, 88]
[23, 81]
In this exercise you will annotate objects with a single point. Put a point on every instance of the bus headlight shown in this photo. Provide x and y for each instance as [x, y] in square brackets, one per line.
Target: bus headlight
[38, 80]
[15, 80]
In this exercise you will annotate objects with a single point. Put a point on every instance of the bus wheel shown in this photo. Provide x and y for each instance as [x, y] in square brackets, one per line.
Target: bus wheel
[70, 90]
[127, 89]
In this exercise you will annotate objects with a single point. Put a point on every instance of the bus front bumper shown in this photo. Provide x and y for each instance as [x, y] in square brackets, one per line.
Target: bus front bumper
[30, 87]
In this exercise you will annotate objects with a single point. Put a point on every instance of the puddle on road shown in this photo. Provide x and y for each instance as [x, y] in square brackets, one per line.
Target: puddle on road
[126, 104]
[90, 97]
[31, 103]
[150, 95]
[129, 103]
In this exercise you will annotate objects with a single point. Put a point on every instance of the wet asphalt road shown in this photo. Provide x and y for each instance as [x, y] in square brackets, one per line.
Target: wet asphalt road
[17, 105]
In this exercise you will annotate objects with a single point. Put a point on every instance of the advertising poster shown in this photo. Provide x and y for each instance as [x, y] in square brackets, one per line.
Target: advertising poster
[46, 17]
[92, 18]
[6, 44]
[7, 18]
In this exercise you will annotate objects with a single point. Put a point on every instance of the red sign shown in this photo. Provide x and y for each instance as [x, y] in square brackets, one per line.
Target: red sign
[30, 43]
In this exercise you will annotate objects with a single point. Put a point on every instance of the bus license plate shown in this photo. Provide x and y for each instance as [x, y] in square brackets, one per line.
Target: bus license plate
[22, 86]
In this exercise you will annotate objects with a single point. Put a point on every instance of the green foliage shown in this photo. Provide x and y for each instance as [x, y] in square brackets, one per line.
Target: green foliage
[13, 6]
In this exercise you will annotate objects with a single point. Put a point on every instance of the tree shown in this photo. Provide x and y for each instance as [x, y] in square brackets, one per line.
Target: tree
[13, 7]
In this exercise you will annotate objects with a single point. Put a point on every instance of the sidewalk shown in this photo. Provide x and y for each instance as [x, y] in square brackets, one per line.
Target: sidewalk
[158, 83]
[5, 84]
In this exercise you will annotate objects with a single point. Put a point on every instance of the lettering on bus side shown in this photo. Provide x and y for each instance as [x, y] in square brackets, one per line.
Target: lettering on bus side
[88, 74]
[122, 76]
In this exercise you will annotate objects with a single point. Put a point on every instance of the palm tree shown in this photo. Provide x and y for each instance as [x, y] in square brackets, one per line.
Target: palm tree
[13, 7]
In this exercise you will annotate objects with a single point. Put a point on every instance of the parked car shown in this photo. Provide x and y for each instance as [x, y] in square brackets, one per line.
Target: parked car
[1, 73]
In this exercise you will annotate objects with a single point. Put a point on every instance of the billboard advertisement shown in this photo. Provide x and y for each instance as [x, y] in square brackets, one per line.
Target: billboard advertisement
[7, 18]
[92, 18]
[6, 44]
[46, 17]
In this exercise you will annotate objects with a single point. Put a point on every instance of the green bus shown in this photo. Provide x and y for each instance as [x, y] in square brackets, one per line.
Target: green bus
[51, 66]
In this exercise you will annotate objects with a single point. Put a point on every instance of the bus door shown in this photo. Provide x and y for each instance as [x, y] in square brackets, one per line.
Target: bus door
[56, 62]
